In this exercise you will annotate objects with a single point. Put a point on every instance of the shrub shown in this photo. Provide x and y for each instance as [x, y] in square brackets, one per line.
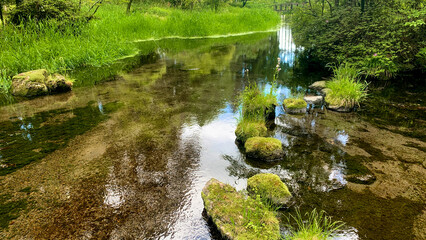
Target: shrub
[346, 89]
[40, 10]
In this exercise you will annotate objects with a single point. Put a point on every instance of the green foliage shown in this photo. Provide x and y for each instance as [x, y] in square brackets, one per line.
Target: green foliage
[39, 10]
[312, 226]
[382, 39]
[346, 89]
[256, 104]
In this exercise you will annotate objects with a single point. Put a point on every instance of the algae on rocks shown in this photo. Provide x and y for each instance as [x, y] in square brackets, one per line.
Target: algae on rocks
[39, 82]
[270, 187]
[267, 149]
[248, 129]
[295, 105]
[237, 216]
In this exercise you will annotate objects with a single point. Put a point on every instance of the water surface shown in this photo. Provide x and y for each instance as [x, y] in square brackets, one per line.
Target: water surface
[127, 158]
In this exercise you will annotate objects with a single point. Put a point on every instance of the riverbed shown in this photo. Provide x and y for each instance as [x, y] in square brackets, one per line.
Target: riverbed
[127, 158]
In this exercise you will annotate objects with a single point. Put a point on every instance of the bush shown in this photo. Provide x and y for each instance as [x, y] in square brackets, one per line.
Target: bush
[382, 40]
[40, 10]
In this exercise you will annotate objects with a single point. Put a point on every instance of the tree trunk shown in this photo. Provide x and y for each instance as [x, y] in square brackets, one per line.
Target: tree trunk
[336, 3]
[1, 13]
[362, 6]
[129, 5]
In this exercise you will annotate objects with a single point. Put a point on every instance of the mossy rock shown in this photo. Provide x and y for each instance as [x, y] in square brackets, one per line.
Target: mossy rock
[267, 149]
[295, 105]
[319, 85]
[337, 106]
[237, 216]
[39, 82]
[269, 186]
[246, 130]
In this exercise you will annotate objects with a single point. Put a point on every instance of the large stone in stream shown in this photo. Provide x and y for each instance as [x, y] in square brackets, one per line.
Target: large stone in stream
[247, 129]
[265, 149]
[316, 100]
[295, 106]
[270, 187]
[237, 216]
[365, 179]
[319, 85]
[38, 83]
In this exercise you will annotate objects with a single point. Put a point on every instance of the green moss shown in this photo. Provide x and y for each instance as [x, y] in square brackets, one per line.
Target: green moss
[270, 187]
[264, 148]
[9, 209]
[295, 103]
[247, 129]
[237, 216]
[39, 75]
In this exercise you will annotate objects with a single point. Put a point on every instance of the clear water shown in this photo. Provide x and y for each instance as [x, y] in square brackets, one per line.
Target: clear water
[127, 158]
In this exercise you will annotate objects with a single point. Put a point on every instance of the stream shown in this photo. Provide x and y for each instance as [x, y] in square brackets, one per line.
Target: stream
[127, 158]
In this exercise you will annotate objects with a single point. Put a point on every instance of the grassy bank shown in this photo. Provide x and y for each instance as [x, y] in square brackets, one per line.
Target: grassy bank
[112, 34]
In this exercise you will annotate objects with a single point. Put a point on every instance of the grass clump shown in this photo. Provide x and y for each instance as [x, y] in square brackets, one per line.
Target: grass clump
[312, 226]
[237, 216]
[248, 129]
[295, 103]
[270, 187]
[268, 149]
[257, 105]
[346, 89]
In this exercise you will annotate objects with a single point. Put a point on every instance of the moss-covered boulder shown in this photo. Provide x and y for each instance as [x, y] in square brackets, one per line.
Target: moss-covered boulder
[267, 149]
[269, 186]
[338, 106]
[247, 129]
[38, 83]
[319, 85]
[237, 216]
[295, 105]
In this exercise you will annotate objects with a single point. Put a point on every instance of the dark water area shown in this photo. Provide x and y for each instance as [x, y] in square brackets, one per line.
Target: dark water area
[127, 158]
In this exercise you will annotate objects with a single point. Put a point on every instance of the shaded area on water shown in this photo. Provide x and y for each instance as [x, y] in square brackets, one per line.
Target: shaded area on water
[25, 140]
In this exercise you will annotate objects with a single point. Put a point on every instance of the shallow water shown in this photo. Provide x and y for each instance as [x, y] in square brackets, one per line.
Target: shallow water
[127, 158]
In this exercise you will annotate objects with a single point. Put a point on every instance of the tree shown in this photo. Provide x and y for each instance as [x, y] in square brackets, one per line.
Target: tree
[129, 5]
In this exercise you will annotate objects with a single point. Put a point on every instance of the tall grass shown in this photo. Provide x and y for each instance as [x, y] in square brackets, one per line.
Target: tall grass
[255, 104]
[347, 89]
[112, 34]
[312, 226]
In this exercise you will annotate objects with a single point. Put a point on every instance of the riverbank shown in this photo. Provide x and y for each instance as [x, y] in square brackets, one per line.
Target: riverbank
[112, 33]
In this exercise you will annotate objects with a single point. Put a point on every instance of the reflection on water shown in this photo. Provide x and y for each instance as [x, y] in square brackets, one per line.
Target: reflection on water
[138, 150]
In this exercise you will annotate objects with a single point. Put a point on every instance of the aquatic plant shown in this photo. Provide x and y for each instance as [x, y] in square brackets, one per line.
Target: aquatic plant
[255, 104]
[313, 225]
[346, 88]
